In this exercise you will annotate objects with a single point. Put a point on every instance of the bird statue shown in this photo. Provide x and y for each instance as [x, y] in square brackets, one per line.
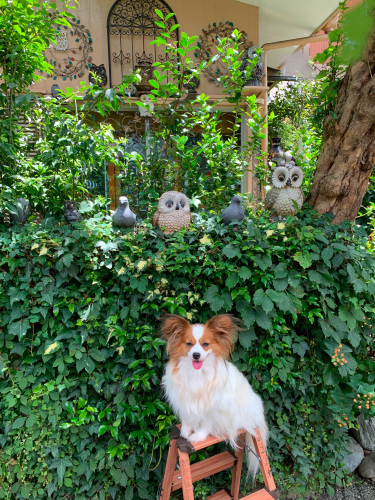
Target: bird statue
[124, 217]
[257, 71]
[173, 212]
[234, 211]
[71, 213]
[286, 187]
[23, 211]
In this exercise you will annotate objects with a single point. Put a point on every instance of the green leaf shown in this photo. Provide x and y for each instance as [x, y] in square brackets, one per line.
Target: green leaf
[304, 259]
[263, 319]
[247, 337]
[327, 256]
[232, 280]
[30, 421]
[19, 328]
[300, 348]
[231, 251]
[244, 273]
[97, 355]
[261, 299]
[19, 422]
[346, 316]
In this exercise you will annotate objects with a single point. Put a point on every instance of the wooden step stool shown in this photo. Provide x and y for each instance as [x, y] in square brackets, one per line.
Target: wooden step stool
[188, 474]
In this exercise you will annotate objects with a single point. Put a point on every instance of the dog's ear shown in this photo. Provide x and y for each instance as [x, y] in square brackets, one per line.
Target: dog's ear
[171, 328]
[225, 328]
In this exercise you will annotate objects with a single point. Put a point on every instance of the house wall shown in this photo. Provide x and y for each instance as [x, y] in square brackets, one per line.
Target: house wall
[193, 16]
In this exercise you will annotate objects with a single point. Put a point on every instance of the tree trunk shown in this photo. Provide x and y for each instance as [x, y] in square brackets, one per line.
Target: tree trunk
[348, 153]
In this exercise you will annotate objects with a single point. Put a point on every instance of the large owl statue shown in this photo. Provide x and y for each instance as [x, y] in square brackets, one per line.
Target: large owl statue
[173, 212]
[286, 188]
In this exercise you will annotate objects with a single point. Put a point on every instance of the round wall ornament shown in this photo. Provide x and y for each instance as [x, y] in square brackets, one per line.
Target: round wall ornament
[207, 43]
[70, 54]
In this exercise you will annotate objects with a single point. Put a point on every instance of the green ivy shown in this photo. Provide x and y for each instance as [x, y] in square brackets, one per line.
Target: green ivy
[82, 413]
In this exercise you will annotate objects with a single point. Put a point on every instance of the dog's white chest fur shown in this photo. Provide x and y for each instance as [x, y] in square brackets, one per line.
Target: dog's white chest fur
[217, 399]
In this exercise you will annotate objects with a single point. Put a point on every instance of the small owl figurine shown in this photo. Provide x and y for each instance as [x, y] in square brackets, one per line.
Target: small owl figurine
[286, 187]
[173, 212]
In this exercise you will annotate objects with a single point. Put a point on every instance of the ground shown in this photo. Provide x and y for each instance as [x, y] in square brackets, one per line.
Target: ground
[361, 489]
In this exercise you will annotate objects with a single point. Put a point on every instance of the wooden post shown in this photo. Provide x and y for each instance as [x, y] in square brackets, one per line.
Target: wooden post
[112, 186]
[237, 468]
[169, 470]
[264, 463]
[264, 145]
[187, 485]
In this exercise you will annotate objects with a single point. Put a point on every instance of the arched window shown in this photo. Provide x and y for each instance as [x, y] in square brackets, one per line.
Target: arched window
[130, 29]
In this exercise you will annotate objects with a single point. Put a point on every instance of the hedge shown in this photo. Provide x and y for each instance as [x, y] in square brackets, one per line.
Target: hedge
[82, 413]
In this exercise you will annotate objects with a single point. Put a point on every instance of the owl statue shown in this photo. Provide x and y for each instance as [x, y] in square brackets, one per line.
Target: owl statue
[173, 212]
[286, 188]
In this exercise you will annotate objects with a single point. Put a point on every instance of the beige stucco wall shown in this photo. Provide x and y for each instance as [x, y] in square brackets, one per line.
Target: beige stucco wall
[192, 15]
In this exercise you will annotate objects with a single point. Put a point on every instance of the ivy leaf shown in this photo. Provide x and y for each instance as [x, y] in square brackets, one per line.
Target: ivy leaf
[247, 337]
[327, 256]
[300, 348]
[346, 316]
[303, 259]
[261, 299]
[231, 251]
[19, 328]
[263, 319]
[244, 273]
[97, 355]
[232, 280]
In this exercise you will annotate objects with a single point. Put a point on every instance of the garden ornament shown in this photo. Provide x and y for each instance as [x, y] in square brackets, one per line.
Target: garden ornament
[124, 217]
[71, 212]
[286, 188]
[23, 211]
[234, 211]
[257, 71]
[173, 212]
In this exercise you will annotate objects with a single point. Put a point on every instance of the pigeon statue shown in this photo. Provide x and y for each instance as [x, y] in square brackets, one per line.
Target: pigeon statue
[23, 211]
[71, 212]
[235, 211]
[124, 217]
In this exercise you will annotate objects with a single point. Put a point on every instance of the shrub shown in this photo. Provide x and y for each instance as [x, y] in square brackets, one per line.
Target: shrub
[82, 414]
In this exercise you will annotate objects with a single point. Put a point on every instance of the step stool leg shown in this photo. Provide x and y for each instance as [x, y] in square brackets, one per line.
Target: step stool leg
[264, 463]
[237, 468]
[169, 470]
[187, 484]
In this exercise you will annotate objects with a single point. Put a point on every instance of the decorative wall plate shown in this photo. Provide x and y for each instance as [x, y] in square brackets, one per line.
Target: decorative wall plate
[70, 55]
[207, 43]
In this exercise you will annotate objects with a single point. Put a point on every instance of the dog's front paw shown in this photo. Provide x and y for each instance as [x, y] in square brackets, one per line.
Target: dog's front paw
[197, 436]
[185, 431]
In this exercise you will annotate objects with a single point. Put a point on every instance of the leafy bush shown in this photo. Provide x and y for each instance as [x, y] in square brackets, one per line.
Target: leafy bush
[82, 414]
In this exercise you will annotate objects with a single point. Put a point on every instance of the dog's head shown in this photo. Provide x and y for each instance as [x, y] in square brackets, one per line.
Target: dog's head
[198, 341]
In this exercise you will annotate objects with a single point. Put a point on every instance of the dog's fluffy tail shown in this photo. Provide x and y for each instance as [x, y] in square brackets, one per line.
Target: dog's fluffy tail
[252, 460]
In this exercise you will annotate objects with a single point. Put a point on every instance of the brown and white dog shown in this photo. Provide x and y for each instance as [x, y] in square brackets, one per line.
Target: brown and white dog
[207, 392]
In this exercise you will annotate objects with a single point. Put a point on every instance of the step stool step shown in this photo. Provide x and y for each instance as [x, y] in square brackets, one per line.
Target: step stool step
[220, 495]
[259, 495]
[206, 468]
[211, 440]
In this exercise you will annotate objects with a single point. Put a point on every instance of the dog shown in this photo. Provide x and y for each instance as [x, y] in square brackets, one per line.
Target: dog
[205, 390]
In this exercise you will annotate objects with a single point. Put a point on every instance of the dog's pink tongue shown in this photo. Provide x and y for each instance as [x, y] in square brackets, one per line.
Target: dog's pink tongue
[197, 364]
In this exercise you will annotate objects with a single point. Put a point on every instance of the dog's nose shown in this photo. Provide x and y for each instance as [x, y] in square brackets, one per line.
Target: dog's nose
[196, 355]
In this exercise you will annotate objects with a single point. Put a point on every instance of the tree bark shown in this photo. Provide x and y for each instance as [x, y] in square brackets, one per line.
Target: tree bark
[348, 153]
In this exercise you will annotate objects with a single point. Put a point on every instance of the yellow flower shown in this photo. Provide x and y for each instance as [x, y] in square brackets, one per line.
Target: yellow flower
[189, 316]
[163, 281]
[205, 240]
[269, 232]
[280, 225]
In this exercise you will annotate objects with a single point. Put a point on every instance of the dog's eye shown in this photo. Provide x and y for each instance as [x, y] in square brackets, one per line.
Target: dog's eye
[189, 344]
[206, 344]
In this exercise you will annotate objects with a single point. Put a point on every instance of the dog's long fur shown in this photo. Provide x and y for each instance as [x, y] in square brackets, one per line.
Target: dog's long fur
[210, 395]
